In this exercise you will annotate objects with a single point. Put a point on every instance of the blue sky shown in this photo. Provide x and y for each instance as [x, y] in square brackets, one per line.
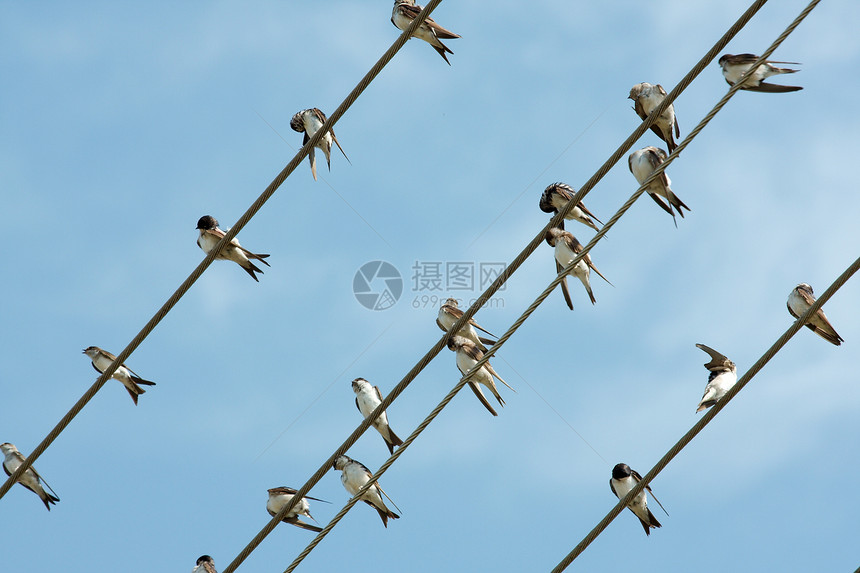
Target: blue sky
[123, 124]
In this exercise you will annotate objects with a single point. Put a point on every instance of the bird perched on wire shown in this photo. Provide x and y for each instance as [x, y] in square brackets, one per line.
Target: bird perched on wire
[566, 249]
[30, 478]
[281, 496]
[468, 354]
[646, 98]
[309, 121]
[557, 195]
[736, 65]
[405, 11]
[449, 313]
[205, 564]
[354, 475]
[622, 481]
[799, 301]
[102, 359]
[210, 235]
[723, 376]
[642, 163]
[367, 399]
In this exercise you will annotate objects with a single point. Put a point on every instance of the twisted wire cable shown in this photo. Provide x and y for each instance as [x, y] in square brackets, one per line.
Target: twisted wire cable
[706, 419]
[207, 260]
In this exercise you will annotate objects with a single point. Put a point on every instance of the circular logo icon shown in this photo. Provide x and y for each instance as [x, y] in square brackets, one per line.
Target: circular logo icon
[377, 285]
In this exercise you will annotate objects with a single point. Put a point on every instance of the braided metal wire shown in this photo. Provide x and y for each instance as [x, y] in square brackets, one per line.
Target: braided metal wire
[207, 260]
[706, 419]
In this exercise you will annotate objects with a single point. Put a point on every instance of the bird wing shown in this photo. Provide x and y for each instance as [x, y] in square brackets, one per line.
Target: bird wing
[718, 361]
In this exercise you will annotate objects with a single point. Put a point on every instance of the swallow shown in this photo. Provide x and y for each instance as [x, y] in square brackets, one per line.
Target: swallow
[468, 354]
[449, 313]
[735, 65]
[30, 478]
[645, 99]
[205, 564]
[566, 249]
[556, 196]
[799, 301]
[102, 359]
[404, 13]
[281, 496]
[723, 376]
[642, 163]
[354, 475]
[309, 121]
[210, 234]
[367, 398]
[622, 481]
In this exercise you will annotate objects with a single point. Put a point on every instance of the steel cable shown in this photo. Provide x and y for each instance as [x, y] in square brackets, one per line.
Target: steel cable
[207, 260]
[706, 419]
